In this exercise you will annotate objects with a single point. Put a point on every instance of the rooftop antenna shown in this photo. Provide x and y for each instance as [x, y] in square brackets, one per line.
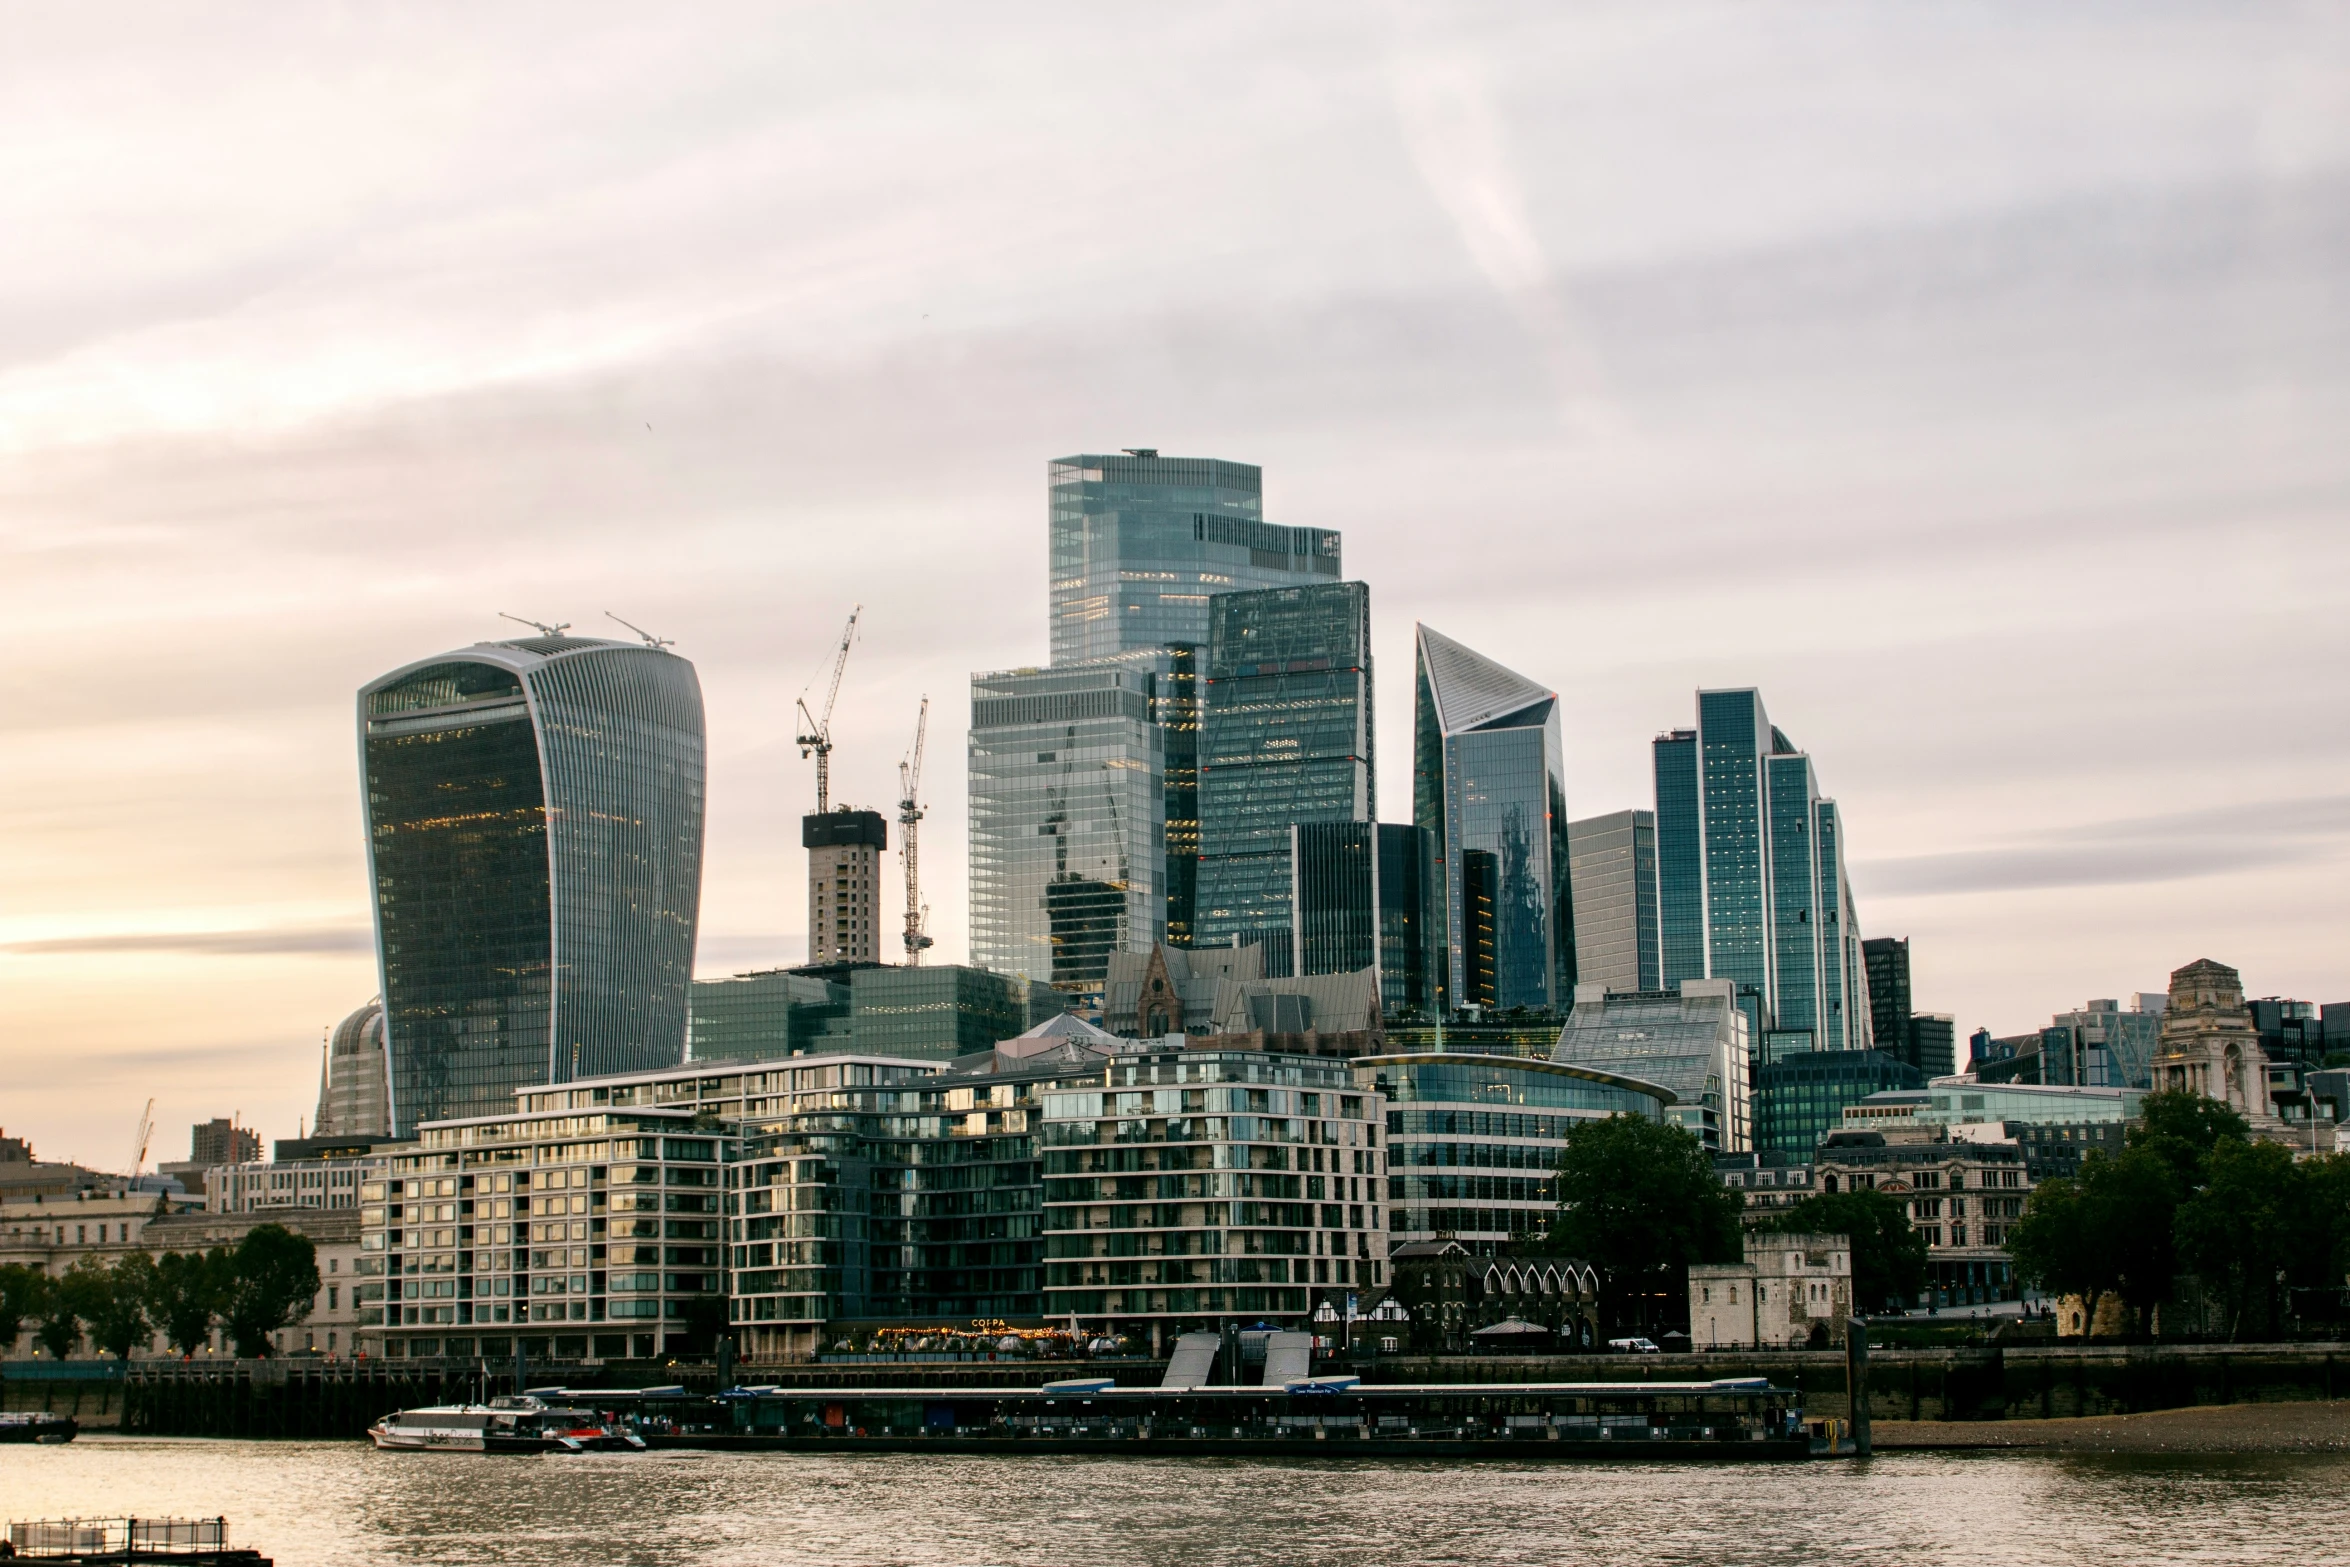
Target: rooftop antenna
[649, 640]
[540, 627]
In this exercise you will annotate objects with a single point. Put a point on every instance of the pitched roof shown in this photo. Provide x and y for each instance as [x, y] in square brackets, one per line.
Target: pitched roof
[1472, 691]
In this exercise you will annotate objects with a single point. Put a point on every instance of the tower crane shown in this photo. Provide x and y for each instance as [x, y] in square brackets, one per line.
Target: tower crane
[644, 636]
[815, 738]
[144, 1135]
[909, 816]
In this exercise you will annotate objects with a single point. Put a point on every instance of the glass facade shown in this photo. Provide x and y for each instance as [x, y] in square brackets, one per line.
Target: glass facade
[1800, 1098]
[1067, 803]
[1190, 1184]
[768, 1016]
[1285, 738]
[940, 1011]
[1140, 543]
[534, 814]
[1751, 879]
[1359, 897]
[1473, 1142]
[1488, 770]
[1680, 860]
[1693, 1041]
[1612, 872]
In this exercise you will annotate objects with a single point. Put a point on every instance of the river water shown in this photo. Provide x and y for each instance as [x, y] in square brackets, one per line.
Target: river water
[321, 1504]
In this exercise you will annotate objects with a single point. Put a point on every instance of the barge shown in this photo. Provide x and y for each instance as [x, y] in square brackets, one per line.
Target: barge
[1737, 1420]
[33, 1426]
[118, 1542]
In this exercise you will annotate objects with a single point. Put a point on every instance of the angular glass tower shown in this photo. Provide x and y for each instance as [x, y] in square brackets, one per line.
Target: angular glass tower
[1139, 544]
[1067, 819]
[534, 836]
[1285, 739]
[1751, 879]
[1488, 788]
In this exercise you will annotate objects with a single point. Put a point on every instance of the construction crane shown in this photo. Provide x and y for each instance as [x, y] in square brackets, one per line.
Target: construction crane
[644, 636]
[539, 626]
[144, 1136]
[909, 816]
[815, 737]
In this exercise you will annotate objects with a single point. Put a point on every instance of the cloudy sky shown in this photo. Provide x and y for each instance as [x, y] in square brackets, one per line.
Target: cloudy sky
[1973, 379]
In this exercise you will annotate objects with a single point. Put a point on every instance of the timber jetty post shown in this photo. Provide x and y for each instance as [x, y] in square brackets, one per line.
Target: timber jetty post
[1856, 1381]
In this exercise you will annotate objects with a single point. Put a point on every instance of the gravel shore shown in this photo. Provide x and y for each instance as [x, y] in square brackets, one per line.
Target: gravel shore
[2313, 1427]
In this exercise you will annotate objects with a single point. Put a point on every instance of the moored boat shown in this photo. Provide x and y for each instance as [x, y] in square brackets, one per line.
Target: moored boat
[522, 1424]
[35, 1426]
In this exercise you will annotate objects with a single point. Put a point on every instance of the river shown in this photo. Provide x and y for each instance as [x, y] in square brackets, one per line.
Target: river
[320, 1504]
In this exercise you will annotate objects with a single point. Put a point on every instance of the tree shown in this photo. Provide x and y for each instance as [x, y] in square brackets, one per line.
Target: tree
[1888, 1256]
[2056, 1247]
[2238, 1233]
[113, 1301]
[1639, 1201]
[269, 1282]
[20, 1300]
[56, 1328]
[184, 1298]
[2134, 1202]
[2181, 1128]
[2321, 1217]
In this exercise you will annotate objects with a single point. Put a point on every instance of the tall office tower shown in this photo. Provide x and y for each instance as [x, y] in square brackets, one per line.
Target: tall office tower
[1067, 820]
[1887, 961]
[1285, 738]
[1611, 871]
[1139, 544]
[1751, 879]
[844, 884]
[1359, 899]
[1488, 789]
[534, 836]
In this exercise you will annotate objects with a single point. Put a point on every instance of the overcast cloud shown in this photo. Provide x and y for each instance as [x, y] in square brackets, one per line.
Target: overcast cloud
[1973, 379]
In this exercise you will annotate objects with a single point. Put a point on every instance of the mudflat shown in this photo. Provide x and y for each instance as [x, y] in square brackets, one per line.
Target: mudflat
[2316, 1426]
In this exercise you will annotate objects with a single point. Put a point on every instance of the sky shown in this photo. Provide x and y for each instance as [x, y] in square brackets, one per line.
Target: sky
[1973, 379]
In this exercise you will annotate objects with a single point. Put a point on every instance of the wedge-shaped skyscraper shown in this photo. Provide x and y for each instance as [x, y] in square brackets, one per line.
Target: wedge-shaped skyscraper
[1488, 790]
[534, 837]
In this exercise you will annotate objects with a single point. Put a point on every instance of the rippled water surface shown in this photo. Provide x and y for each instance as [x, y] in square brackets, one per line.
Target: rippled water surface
[330, 1504]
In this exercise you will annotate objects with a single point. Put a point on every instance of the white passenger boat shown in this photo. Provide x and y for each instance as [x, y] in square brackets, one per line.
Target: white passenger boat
[503, 1425]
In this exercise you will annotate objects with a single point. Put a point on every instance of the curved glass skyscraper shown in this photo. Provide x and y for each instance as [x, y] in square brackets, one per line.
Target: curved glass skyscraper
[1488, 789]
[534, 837]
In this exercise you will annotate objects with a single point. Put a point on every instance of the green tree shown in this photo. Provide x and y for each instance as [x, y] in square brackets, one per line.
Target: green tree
[1888, 1256]
[2057, 1248]
[184, 1297]
[269, 1282]
[57, 1328]
[2134, 1202]
[20, 1300]
[2181, 1128]
[2321, 1198]
[2238, 1233]
[1639, 1200]
[113, 1301]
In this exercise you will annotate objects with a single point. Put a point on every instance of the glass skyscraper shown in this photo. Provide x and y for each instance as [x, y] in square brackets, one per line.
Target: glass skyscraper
[534, 835]
[1067, 819]
[1612, 873]
[1139, 544]
[1751, 879]
[1488, 789]
[1359, 900]
[1285, 739]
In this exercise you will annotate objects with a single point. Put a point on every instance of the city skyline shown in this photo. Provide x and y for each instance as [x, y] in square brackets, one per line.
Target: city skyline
[2042, 446]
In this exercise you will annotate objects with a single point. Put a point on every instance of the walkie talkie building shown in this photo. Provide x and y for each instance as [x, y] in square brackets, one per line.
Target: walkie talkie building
[534, 840]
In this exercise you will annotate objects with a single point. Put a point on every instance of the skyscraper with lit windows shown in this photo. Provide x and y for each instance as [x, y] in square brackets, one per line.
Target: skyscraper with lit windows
[534, 837]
